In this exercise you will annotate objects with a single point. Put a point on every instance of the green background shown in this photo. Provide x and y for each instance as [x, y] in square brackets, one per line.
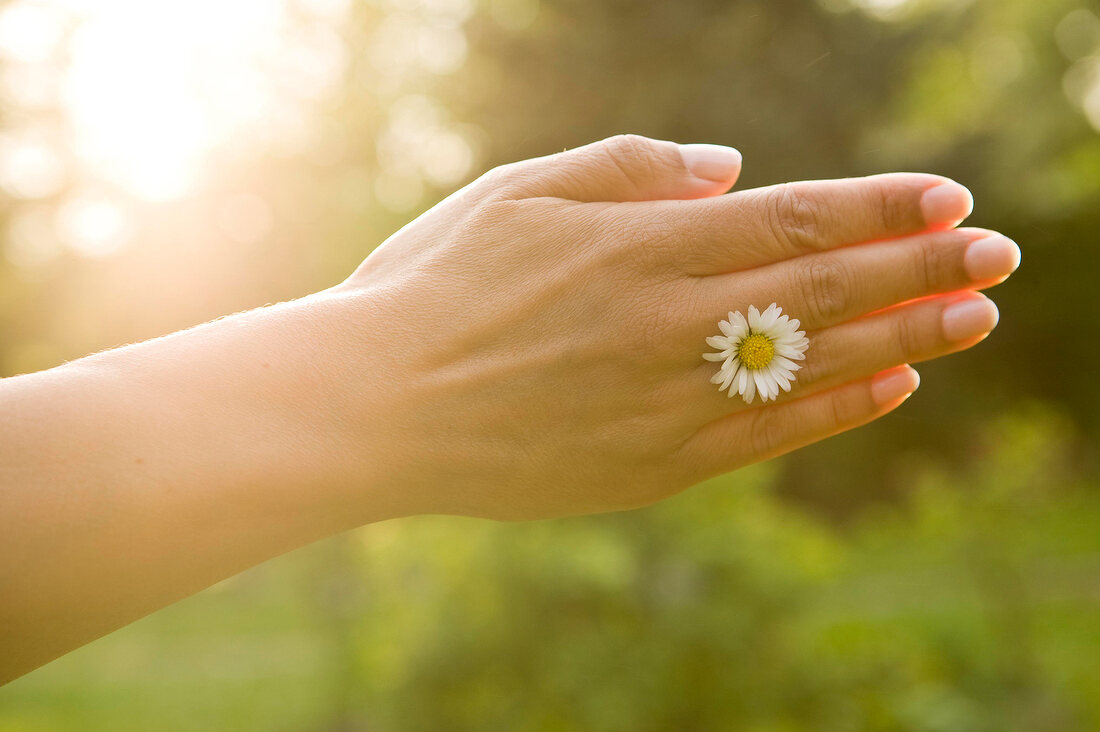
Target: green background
[939, 570]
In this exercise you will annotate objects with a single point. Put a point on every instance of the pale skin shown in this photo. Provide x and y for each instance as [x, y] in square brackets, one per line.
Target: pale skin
[529, 348]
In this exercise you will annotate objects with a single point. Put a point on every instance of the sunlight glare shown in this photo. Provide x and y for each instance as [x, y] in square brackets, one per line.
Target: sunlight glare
[147, 87]
[29, 32]
[151, 91]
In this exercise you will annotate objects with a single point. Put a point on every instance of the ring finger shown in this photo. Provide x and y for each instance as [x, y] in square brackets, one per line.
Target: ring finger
[825, 289]
[909, 333]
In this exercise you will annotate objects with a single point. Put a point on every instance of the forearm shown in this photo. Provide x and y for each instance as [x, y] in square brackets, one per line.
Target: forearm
[139, 476]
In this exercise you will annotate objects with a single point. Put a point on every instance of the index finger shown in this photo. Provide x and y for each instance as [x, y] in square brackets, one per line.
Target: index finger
[755, 227]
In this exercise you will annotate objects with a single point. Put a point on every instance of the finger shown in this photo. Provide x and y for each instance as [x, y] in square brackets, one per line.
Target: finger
[910, 333]
[825, 289]
[624, 168]
[764, 225]
[765, 432]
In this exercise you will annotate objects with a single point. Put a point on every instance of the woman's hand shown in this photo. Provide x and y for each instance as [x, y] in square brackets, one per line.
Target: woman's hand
[531, 347]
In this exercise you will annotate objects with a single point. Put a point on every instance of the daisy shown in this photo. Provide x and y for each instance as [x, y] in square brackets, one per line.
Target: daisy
[758, 353]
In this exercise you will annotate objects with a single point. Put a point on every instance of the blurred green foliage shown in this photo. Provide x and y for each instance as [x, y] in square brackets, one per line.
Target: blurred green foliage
[938, 571]
[972, 607]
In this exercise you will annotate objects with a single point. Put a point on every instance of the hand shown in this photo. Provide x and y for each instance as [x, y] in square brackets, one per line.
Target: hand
[530, 347]
[534, 342]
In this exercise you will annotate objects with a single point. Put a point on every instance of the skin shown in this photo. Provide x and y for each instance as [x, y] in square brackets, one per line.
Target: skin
[529, 348]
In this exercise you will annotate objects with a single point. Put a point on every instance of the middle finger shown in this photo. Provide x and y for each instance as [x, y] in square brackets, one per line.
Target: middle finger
[826, 289]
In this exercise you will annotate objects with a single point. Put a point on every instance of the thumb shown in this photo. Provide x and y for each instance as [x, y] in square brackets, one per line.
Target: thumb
[628, 168]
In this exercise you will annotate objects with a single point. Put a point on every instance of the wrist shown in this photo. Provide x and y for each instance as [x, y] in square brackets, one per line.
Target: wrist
[262, 407]
[138, 476]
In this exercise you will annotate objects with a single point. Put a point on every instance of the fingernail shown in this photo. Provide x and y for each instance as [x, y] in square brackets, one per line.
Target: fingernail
[894, 384]
[969, 318]
[711, 162]
[990, 258]
[946, 203]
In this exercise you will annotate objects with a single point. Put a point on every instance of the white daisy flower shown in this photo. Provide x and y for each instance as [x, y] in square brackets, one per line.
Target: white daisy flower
[758, 353]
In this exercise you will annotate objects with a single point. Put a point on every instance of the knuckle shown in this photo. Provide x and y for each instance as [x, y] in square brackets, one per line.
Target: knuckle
[893, 209]
[767, 430]
[627, 147]
[496, 213]
[521, 226]
[840, 407]
[640, 238]
[827, 288]
[634, 156]
[933, 266]
[908, 339]
[796, 218]
[498, 181]
[499, 174]
[657, 238]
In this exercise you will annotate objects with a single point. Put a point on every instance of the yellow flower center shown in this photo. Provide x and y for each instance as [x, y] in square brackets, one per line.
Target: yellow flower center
[756, 351]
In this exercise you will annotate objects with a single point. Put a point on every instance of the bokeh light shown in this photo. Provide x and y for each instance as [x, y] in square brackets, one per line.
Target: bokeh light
[151, 105]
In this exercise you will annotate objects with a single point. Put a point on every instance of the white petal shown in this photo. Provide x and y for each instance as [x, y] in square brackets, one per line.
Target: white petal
[773, 385]
[770, 316]
[764, 394]
[782, 331]
[754, 319]
[719, 342]
[786, 338]
[731, 373]
[761, 383]
[749, 391]
[786, 372]
[716, 356]
[785, 363]
[783, 378]
[725, 327]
